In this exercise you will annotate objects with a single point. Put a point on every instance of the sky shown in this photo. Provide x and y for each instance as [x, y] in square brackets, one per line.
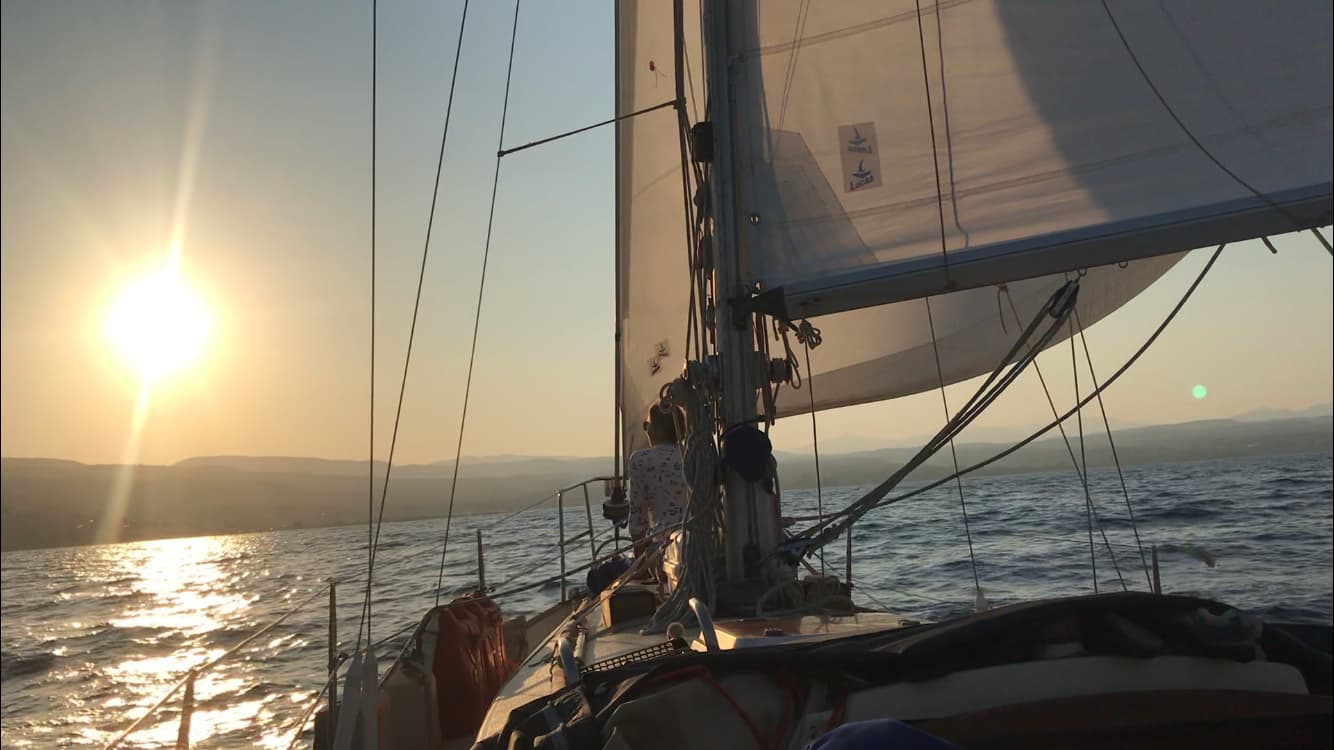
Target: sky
[240, 132]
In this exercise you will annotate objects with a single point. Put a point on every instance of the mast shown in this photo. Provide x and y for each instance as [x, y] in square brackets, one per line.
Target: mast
[750, 526]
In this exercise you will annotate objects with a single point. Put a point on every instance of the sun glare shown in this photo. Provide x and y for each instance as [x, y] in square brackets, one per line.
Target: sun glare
[159, 324]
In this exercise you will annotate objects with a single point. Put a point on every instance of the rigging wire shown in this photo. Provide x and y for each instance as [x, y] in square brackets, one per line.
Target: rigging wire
[790, 74]
[1061, 418]
[1120, 475]
[412, 328]
[683, 144]
[543, 141]
[370, 461]
[879, 497]
[1297, 222]
[481, 290]
[954, 456]
[1065, 438]
[1082, 466]
[1057, 308]
[935, 151]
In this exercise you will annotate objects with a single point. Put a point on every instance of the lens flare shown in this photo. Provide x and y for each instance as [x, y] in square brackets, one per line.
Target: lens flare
[1199, 392]
[159, 324]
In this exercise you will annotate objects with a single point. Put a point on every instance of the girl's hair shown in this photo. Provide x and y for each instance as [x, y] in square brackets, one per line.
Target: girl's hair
[660, 424]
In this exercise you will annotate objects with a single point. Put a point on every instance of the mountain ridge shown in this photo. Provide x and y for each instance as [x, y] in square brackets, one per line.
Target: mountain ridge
[54, 502]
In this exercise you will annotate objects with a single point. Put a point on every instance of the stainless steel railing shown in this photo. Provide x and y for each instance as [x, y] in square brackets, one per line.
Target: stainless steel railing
[588, 512]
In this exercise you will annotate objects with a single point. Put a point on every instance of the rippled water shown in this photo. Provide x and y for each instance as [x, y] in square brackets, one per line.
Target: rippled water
[94, 635]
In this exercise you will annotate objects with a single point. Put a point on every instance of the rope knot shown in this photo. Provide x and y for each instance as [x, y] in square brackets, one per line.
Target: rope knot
[808, 335]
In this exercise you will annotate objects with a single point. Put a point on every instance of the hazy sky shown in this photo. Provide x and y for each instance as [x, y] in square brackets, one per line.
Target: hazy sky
[245, 126]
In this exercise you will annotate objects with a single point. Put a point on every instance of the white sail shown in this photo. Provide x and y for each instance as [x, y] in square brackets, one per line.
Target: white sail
[653, 286]
[1040, 148]
[886, 156]
[884, 352]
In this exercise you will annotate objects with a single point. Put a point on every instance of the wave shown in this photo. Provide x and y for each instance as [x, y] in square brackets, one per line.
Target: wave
[24, 665]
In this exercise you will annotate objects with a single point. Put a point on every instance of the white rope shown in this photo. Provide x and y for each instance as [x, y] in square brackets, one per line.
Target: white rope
[700, 539]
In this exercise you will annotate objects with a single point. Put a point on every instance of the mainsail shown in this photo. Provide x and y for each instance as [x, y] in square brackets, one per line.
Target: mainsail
[651, 235]
[892, 151]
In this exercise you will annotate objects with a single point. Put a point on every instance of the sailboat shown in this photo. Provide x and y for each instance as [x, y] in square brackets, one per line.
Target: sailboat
[840, 203]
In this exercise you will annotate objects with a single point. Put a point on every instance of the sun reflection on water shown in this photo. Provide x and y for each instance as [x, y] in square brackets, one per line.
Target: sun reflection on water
[181, 576]
[186, 611]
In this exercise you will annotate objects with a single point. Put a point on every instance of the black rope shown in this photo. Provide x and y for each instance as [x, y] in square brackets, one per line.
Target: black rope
[1056, 422]
[1120, 475]
[683, 146]
[477, 315]
[543, 141]
[954, 456]
[1297, 222]
[935, 155]
[1057, 308]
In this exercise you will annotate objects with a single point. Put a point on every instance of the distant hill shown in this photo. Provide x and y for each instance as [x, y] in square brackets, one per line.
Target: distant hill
[51, 503]
[1266, 415]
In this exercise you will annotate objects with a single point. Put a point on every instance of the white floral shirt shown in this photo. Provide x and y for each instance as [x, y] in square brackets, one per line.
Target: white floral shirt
[658, 490]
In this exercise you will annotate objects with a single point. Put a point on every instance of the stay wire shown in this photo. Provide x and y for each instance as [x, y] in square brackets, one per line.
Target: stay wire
[1000, 377]
[1083, 466]
[1061, 418]
[1083, 460]
[1116, 459]
[477, 315]
[935, 150]
[416, 307]
[1060, 426]
[370, 473]
[954, 456]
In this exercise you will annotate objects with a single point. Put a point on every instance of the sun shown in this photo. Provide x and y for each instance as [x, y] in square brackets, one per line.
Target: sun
[159, 324]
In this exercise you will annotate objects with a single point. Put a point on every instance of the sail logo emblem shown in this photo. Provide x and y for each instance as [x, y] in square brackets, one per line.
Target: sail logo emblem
[861, 177]
[858, 144]
[860, 156]
[655, 362]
